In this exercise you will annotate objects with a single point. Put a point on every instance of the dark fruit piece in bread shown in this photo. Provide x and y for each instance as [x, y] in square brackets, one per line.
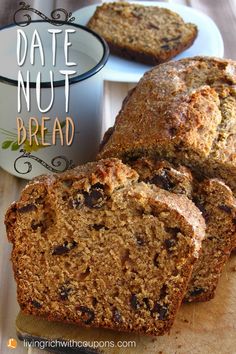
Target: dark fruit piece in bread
[183, 112]
[218, 206]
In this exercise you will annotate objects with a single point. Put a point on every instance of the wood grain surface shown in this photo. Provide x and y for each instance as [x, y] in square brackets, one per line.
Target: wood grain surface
[199, 329]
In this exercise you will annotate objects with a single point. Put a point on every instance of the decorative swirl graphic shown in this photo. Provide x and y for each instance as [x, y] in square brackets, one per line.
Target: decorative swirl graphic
[56, 15]
[59, 163]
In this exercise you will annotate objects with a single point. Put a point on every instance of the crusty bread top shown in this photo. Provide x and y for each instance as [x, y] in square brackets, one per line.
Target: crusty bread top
[111, 172]
[188, 105]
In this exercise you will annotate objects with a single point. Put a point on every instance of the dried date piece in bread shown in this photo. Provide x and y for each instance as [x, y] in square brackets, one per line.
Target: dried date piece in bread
[218, 206]
[165, 175]
[95, 247]
[149, 34]
[184, 112]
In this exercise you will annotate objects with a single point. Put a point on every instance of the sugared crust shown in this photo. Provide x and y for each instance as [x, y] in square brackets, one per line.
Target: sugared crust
[72, 233]
[148, 34]
[182, 111]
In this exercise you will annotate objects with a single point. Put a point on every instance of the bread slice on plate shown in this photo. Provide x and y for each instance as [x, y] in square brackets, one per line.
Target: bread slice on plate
[95, 247]
[218, 206]
[149, 34]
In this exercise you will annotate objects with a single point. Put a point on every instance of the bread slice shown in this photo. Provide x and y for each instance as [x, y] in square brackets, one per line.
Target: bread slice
[95, 247]
[148, 34]
[184, 112]
[218, 206]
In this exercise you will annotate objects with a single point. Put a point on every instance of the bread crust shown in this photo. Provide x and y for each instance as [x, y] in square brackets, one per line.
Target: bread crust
[183, 112]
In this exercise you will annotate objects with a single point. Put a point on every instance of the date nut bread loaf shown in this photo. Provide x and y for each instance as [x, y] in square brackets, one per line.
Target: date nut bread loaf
[149, 34]
[95, 247]
[183, 111]
[218, 206]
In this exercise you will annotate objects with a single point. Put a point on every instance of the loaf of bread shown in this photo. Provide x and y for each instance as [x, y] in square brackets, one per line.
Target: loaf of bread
[218, 206]
[181, 111]
[149, 34]
[95, 247]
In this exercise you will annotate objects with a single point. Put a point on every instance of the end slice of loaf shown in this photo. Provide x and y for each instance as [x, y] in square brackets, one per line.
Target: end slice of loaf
[95, 247]
[183, 112]
[218, 206]
[149, 34]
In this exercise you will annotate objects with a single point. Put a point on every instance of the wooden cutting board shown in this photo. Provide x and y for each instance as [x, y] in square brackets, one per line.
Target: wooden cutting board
[203, 328]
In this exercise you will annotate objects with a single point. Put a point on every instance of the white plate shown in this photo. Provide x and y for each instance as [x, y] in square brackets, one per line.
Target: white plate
[208, 42]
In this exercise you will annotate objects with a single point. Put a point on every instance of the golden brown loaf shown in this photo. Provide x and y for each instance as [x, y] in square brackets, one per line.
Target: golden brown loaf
[95, 247]
[149, 34]
[218, 206]
[182, 111]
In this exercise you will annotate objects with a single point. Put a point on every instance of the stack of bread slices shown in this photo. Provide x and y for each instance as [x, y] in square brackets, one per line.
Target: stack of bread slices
[121, 242]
